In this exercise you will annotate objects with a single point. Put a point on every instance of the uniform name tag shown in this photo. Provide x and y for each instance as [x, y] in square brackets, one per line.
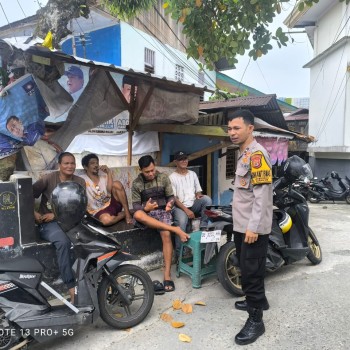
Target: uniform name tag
[260, 169]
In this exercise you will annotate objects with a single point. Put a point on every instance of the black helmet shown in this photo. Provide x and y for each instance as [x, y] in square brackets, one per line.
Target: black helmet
[69, 203]
[296, 168]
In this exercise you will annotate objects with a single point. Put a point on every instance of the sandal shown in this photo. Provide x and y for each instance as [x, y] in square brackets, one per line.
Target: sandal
[158, 288]
[169, 285]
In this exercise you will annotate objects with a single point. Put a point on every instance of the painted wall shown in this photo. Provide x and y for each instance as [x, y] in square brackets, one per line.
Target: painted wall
[328, 79]
[327, 28]
[329, 113]
[166, 57]
[102, 45]
[173, 143]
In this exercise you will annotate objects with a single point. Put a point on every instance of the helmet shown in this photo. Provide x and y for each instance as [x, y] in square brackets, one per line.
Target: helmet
[69, 203]
[296, 168]
[284, 220]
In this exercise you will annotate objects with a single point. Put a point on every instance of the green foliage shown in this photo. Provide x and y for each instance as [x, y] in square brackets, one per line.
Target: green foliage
[125, 9]
[219, 28]
[226, 95]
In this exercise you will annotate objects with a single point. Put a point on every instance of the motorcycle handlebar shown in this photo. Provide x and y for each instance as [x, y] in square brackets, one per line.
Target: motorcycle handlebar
[280, 183]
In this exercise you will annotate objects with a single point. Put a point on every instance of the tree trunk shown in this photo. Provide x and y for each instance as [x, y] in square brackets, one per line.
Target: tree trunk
[57, 14]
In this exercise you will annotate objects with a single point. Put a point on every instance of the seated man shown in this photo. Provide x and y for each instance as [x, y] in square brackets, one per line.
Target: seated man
[152, 198]
[48, 227]
[189, 200]
[106, 198]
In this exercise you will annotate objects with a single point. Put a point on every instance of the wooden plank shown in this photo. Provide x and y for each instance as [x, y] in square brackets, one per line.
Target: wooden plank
[209, 175]
[202, 130]
[205, 151]
[142, 107]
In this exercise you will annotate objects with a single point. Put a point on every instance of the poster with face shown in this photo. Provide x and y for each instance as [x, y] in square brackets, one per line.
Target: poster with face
[22, 111]
[74, 81]
[118, 124]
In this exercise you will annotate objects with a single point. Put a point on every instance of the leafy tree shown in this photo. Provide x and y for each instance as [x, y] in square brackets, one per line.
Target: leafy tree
[224, 94]
[215, 28]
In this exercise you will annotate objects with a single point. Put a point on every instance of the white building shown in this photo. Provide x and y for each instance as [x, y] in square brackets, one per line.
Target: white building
[328, 27]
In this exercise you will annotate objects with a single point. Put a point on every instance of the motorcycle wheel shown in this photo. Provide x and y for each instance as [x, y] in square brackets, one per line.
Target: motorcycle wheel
[137, 283]
[229, 275]
[315, 254]
[313, 199]
[347, 198]
[7, 339]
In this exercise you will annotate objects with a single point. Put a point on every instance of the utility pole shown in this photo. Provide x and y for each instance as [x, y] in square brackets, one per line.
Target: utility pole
[74, 49]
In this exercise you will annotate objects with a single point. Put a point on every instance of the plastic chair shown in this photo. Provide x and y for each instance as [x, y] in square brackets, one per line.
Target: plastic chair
[194, 266]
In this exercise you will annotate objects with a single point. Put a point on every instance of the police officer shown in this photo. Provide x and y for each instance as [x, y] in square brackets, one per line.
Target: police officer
[252, 220]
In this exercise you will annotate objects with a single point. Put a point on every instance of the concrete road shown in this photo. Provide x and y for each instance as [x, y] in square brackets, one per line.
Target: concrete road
[309, 305]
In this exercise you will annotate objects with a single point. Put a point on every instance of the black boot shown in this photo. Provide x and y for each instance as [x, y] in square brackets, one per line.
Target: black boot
[253, 328]
[242, 305]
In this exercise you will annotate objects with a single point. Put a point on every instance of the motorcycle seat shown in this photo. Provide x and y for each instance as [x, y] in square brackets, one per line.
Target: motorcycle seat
[21, 264]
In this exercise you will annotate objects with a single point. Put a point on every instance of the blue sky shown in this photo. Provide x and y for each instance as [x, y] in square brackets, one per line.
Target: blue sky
[280, 72]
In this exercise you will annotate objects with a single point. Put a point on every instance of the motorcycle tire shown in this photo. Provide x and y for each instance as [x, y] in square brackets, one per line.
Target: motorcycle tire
[347, 198]
[229, 275]
[313, 199]
[315, 254]
[137, 283]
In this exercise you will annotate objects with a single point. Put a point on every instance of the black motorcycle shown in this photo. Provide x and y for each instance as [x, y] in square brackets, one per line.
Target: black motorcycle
[323, 190]
[303, 187]
[291, 238]
[121, 294]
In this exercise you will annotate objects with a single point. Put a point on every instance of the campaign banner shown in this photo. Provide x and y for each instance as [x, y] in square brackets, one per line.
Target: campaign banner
[74, 81]
[22, 114]
[276, 147]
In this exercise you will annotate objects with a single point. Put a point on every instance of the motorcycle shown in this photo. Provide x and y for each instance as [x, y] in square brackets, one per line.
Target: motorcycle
[290, 240]
[303, 187]
[323, 190]
[121, 294]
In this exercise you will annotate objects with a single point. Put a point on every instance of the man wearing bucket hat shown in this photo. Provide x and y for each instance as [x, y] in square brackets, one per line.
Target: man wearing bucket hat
[75, 80]
[189, 200]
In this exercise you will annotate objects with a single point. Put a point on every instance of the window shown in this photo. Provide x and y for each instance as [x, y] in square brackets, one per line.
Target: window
[230, 163]
[179, 72]
[149, 60]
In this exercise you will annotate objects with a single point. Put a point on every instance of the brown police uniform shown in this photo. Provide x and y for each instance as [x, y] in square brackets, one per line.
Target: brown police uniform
[252, 210]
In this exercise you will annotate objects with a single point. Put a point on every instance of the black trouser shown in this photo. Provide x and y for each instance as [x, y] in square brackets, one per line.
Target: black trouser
[252, 258]
[53, 233]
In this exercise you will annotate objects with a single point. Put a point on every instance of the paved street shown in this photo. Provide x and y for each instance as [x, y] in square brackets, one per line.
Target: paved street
[309, 305]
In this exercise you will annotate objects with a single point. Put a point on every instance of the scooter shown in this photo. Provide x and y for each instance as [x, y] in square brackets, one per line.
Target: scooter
[121, 294]
[290, 240]
[324, 191]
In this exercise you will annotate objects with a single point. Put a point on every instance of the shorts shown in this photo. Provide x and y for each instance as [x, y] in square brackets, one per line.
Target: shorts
[158, 214]
[162, 216]
[113, 209]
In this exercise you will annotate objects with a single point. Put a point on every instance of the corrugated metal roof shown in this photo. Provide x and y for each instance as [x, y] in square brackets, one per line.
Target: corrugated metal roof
[27, 45]
[263, 107]
[297, 117]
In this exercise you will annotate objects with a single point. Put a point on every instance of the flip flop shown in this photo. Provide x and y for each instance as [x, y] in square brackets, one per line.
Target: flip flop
[169, 285]
[158, 288]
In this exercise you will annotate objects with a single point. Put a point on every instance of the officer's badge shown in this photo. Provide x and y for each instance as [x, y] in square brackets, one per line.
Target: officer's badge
[256, 160]
[243, 182]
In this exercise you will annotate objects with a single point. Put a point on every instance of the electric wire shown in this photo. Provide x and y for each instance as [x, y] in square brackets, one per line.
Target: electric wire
[325, 117]
[21, 8]
[166, 40]
[193, 73]
[7, 19]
